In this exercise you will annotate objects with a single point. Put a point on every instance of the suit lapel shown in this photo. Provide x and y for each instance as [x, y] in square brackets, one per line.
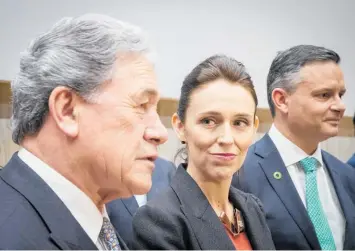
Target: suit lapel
[122, 243]
[208, 229]
[344, 200]
[131, 204]
[270, 163]
[65, 231]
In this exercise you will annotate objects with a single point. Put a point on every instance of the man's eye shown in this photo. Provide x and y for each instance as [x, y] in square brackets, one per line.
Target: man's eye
[144, 106]
[324, 95]
[241, 123]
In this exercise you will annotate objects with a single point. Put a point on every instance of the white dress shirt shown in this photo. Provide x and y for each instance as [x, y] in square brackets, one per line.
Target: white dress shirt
[291, 155]
[141, 199]
[79, 204]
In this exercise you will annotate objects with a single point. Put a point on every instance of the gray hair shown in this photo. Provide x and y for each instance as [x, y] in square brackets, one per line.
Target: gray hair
[285, 68]
[78, 53]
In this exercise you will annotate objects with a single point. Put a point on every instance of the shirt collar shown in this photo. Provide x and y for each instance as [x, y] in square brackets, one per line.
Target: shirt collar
[141, 199]
[79, 204]
[289, 152]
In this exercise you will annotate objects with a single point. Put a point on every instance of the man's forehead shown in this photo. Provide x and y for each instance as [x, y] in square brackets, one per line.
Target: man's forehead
[133, 61]
[135, 69]
[326, 69]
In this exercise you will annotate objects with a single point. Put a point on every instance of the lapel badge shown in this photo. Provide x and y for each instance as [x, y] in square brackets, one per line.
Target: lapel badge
[277, 175]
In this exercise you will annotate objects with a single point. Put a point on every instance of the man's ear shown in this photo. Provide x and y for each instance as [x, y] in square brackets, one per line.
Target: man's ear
[63, 107]
[178, 127]
[280, 99]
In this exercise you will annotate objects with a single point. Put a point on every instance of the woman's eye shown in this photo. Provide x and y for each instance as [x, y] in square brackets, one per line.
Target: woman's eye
[208, 122]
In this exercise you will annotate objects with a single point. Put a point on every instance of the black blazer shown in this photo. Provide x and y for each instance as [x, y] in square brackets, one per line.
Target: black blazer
[33, 217]
[182, 218]
[121, 211]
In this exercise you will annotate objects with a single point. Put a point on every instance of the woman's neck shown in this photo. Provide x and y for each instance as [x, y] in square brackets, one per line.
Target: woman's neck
[216, 192]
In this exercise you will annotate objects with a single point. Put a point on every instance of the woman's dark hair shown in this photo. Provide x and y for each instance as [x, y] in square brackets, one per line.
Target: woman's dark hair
[212, 68]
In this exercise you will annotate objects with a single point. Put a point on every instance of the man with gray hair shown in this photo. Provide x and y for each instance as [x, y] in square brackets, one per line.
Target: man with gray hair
[84, 113]
[308, 194]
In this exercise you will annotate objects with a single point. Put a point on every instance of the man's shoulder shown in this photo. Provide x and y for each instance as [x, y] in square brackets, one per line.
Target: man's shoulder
[351, 161]
[10, 201]
[328, 156]
[165, 206]
[333, 162]
[13, 203]
[167, 200]
[18, 218]
[164, 166]
[163, 163]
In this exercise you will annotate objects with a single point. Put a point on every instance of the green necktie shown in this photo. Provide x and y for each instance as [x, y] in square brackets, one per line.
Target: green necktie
[314, 206]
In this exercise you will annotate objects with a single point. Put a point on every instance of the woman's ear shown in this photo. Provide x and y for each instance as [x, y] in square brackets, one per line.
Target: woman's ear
[256, 123]
[178, 127]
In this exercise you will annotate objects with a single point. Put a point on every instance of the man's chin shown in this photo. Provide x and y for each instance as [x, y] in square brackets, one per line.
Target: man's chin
[141, 187]
[330, 131]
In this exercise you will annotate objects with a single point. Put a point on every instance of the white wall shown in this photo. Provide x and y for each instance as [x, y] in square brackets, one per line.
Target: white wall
[187, 31]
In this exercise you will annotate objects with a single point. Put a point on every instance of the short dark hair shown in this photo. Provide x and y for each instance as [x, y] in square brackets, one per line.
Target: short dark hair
[287, 64]
[213, 68]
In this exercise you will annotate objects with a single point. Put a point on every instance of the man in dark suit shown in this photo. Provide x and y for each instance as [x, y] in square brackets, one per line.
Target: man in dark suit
[351, 161]
[121, 211]
[308, 194]
[84, 114]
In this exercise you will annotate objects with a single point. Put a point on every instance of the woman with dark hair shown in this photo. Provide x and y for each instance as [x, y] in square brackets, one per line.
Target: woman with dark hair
[200, 210]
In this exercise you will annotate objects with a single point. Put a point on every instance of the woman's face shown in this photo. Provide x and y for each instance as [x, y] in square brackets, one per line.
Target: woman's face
[219, 127]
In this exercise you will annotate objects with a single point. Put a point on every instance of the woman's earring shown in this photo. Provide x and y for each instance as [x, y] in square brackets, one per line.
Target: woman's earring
[183, 142]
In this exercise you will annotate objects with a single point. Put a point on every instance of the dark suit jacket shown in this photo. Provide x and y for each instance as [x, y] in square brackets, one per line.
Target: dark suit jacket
[121, 211]
[182, 218]
[286, 215]
[351, 161]
[33, 217]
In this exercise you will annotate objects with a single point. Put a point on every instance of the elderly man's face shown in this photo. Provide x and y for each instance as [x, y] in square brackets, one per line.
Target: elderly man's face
[122, 129]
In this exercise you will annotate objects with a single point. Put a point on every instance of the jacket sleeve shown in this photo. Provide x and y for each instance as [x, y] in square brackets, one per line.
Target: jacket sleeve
[259, 203]
[268, 243]
[155, 228]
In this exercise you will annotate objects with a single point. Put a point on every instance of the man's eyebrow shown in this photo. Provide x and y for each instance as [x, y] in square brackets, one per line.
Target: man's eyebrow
[148, 92]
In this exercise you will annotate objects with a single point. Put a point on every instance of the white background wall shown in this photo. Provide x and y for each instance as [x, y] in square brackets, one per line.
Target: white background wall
[186, 31]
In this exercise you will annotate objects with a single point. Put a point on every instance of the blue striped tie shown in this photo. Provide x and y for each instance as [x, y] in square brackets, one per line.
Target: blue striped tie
[314, 206]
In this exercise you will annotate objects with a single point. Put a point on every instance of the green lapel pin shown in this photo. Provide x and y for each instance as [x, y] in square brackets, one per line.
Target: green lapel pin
[277, 175]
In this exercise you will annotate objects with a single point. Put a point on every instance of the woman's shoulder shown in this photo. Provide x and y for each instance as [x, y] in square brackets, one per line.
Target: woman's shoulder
[160, 224]
[164, 204]
[248, 197]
